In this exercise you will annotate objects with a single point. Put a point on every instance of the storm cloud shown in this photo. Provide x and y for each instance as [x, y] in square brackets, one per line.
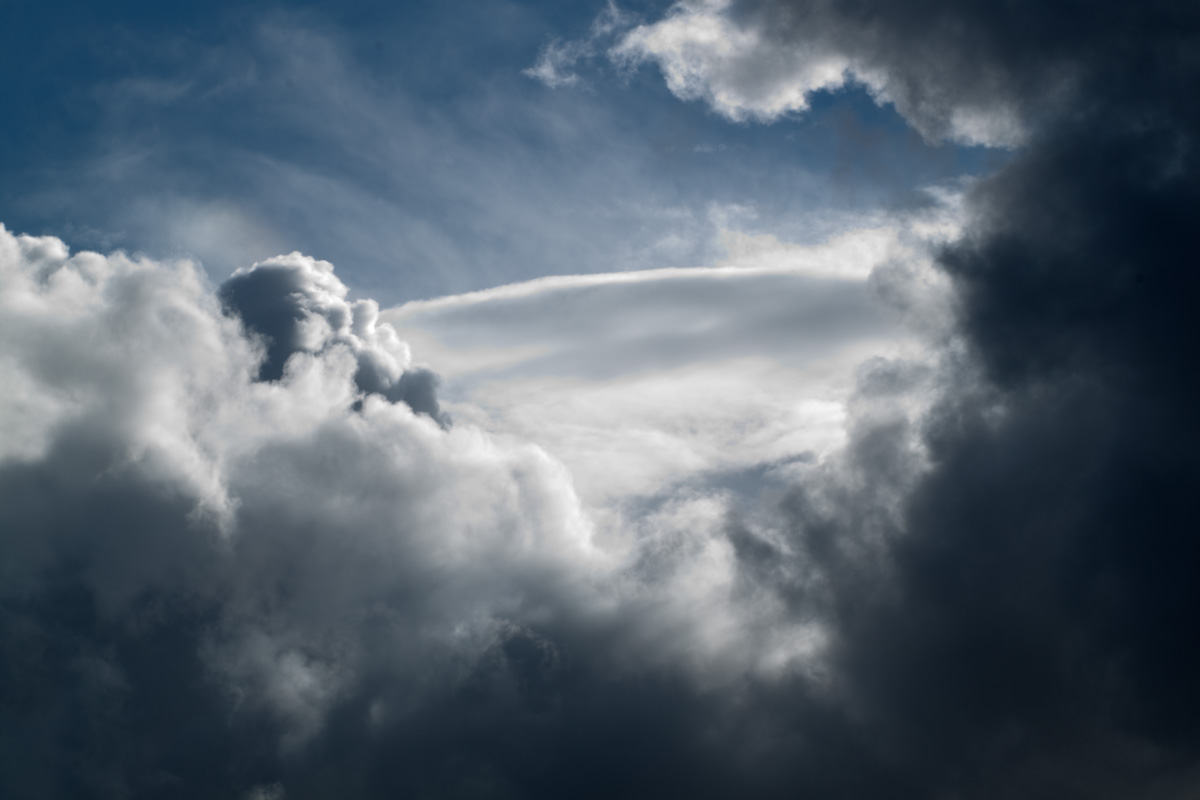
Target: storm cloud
[1024, 625]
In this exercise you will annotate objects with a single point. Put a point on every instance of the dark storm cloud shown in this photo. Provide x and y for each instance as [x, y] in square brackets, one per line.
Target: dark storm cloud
[1042, 61]
[1026, 627]
[982, 73]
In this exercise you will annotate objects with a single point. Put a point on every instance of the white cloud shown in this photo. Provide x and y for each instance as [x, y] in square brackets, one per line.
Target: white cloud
[745, 71]
[706, 55]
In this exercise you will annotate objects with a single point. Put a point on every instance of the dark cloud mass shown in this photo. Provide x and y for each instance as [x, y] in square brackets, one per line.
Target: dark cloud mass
[220, 580]
[1034, 633]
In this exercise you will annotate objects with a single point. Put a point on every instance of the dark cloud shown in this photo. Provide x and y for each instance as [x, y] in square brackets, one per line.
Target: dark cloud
[1024, 626]
[1043, 62]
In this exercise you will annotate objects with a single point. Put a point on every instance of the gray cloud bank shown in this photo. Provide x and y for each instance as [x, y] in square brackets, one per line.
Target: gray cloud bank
[215, 585]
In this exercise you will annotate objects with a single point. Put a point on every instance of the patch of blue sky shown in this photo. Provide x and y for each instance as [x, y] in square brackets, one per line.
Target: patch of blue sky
[403, 143]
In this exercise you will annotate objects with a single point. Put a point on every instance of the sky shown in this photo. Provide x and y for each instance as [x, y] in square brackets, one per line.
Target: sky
[718, 398]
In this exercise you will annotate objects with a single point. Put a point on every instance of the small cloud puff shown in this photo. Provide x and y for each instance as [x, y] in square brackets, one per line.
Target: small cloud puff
[295, 304]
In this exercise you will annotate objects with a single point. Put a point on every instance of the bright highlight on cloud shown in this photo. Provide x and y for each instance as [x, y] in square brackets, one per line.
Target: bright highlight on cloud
[706, 55]
[724, 368]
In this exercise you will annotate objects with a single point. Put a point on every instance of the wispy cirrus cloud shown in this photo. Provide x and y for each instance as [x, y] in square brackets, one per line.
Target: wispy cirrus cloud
[744, 365]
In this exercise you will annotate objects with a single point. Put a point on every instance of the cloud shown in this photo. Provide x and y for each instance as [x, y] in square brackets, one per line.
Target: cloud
[293, 564]
[245, 531]
[646, 381]
[555, 66]
[556, 62]
[988, 592]
[297, 306]
[761, 61]
[1005, 576]
[1020, 623]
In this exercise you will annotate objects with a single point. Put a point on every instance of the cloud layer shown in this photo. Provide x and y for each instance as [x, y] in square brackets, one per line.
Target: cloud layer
[236, 564]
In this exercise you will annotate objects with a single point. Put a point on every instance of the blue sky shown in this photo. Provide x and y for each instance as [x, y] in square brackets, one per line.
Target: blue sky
[404, 144]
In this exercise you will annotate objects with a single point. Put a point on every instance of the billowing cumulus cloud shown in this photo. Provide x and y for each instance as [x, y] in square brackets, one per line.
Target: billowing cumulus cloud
[296, 304]
[161, 499]
[201, 524]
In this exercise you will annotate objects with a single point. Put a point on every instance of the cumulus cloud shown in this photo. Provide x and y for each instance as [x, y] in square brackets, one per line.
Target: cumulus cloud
[226, 544]
[297, 305]
[1026, 629]
[760, 61]
[251, 532]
